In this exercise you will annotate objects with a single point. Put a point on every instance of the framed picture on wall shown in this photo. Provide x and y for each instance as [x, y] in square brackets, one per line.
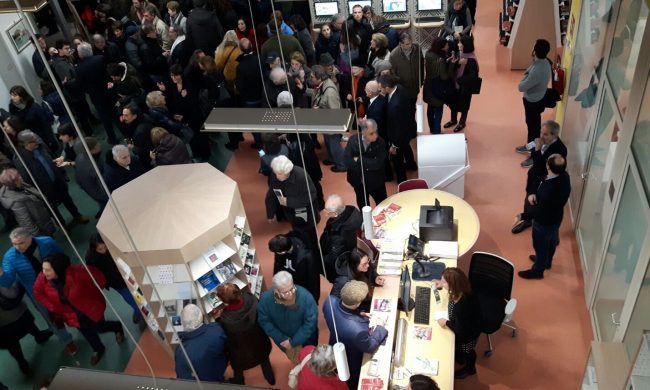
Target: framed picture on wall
[19, 35]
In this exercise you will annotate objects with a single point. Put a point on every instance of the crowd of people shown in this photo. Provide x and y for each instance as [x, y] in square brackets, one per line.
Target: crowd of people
[152, 73]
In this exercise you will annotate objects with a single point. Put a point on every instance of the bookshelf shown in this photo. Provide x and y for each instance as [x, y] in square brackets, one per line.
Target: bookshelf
[190, 229]
[522, 22]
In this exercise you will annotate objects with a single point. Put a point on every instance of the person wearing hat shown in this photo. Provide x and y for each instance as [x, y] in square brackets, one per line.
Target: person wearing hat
[353, 328]
[327, 61]
[352, 86]
[272, 61]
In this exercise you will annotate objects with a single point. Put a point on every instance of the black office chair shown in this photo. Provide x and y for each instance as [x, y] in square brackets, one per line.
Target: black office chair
[491, 277]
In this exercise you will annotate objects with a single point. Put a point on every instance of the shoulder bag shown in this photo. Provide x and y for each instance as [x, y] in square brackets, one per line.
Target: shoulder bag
[293, 374]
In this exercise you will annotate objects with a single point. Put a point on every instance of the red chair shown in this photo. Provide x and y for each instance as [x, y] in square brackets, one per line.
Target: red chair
[412, 184]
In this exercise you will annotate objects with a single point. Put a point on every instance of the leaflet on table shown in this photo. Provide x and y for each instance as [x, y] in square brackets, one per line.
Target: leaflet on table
[372, 384]
[385, 214]
[440, 315]
[424, 366]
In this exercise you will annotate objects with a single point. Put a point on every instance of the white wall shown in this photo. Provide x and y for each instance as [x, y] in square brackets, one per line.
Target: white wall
[15, 68]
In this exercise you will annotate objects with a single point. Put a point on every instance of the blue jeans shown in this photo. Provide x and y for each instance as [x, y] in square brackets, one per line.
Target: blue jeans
[62, 334]
[334, 149]
[128, 298]
[434, 116]
[545, 239]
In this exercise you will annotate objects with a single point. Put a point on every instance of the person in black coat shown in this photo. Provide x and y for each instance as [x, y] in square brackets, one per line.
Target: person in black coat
[50, 179]
[464, 314]
[37, 61]
[358, 26]
[340, 232]
[293, 255]
[247, 344]
[109, 50]
[121, 167]
[547, 144]
[98, 256]
[137, 128]
[328, 42]
[466, 76]
[204, 30]
[32, 116]
[92, 79]
[356, 265]
[550, 198]
[400, 122]
[181, 49]
[375, 105]
[366, 153]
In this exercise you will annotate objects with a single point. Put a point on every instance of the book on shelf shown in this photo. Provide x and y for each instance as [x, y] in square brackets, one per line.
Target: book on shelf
[250, 257]
[258, 287]
[243, 249]
[171, 308]
[225, 271]
[209, 281]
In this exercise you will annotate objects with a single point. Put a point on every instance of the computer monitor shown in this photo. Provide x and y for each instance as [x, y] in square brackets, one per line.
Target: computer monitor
[429, 5]
[405, 303]
[363, 3]
[389, 6]
[326, 8]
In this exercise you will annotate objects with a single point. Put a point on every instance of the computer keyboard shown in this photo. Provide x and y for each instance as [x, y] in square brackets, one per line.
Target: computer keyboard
[422, 305]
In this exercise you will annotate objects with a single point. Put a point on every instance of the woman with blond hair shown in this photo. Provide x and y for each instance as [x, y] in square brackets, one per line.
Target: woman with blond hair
[225, 58]
[378, 50]
[247, 343]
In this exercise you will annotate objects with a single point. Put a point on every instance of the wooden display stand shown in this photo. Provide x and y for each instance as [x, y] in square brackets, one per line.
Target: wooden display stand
[188, 226]
[535, 19]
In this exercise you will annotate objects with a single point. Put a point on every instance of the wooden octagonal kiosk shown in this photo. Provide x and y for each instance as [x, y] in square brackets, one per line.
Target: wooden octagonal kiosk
[185, 232]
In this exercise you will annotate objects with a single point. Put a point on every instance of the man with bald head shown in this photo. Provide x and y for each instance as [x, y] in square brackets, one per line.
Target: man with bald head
[376, 110]
[550, 198]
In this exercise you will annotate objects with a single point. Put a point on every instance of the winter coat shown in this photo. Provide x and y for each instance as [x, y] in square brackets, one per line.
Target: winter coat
[248, 345]
[345, 274]
[79, 292]
[134, 47]
[289, 45]
[226, 61]
[294, 190]
[172, 150]
[116, 176]
[326, 96]
[204, 30]
[300, 263]
[56, 107]
[353, 331]
[307, 380]
[88, 179]
[248, 81]
[331, 46]
[28, 207]
[107, 266]
[299, 324]
[339, 236]
[16, 265]
[52, 188]
[38, 120]
[373, 158]
[437, 68]
[205, 347]
[409, 70]
[304, 37]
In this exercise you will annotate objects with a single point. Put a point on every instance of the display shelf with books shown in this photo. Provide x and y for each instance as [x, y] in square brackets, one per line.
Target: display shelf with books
[187, 247]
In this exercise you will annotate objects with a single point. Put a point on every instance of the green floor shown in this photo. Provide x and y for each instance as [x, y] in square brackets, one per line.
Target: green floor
[45, 359]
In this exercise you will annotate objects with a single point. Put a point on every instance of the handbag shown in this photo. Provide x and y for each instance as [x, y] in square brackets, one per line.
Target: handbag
[293, 374]
[551, 97]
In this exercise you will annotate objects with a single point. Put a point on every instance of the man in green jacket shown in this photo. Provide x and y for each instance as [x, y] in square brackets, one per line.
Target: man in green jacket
[280, 43]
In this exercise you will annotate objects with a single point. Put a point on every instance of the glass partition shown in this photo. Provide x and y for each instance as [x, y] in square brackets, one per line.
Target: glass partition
[624, 53]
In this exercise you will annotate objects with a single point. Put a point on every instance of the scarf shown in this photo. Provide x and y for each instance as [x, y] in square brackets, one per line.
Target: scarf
[461, 69]
[235, 306]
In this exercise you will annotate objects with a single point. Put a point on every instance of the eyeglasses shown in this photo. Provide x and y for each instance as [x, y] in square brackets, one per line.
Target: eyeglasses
[284, 294]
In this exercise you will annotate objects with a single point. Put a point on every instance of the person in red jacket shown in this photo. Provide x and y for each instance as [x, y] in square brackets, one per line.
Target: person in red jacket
[68, 293]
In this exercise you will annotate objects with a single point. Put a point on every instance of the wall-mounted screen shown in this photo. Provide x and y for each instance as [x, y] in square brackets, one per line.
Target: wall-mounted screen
[429, 5]
[363, 3]
[394, 6]
[326, 8]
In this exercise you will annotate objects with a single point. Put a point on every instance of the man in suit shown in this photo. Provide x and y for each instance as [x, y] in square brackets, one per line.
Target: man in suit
[353, 328]
[400, 122]
[547, 144]
[550, 198]
[91, 79]
[365, 156]
[376, 109]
